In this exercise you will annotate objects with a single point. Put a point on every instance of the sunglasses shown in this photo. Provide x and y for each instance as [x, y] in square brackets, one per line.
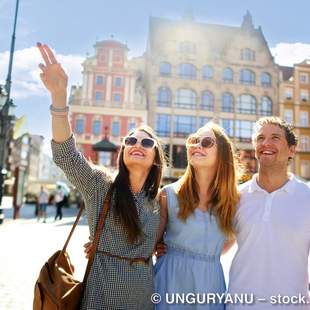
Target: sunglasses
[206, 142]
[147, 143]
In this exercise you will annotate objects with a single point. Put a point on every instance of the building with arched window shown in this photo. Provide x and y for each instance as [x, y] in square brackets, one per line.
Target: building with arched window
[111, 99]
[206, 72]
[196, 72]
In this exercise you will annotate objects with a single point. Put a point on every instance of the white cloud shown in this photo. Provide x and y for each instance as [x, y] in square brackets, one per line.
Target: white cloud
[288, 54]
[26, 81]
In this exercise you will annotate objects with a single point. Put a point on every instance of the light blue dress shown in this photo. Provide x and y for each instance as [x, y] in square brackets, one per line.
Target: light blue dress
[192, 263]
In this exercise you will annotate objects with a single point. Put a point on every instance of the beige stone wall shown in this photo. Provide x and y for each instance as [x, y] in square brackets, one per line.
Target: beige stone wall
[163, 47]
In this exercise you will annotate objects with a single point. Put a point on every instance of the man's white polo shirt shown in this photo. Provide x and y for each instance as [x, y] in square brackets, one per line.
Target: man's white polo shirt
[273, 236]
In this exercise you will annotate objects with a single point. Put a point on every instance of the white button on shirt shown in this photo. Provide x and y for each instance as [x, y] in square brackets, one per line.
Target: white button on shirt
[273, 236]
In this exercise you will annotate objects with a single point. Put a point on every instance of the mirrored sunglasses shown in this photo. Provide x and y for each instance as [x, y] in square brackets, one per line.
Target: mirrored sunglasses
[147, 143]
[206, 142]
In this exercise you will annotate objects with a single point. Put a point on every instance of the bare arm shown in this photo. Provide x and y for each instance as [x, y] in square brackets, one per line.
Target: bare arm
[65, 154]
[55, 80]
[163, 215]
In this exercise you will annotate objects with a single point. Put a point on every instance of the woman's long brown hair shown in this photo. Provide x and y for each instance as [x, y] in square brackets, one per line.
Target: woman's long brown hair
[125, 210]
[224, 194]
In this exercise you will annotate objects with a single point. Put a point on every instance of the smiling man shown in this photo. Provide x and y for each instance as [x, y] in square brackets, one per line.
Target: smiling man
[272, 226]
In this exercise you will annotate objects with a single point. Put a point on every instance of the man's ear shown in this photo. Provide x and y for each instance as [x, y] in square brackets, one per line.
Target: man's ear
[292, 151]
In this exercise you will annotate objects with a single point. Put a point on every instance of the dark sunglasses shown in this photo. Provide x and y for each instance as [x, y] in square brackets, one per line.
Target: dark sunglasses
[147, 143]
[206, 142]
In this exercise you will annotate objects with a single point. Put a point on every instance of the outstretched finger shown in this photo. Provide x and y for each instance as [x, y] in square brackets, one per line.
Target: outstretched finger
[44, 54]
[42, 67]
[50, 54]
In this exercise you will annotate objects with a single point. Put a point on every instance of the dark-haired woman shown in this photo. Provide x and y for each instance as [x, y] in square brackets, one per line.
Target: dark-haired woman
[121, 276]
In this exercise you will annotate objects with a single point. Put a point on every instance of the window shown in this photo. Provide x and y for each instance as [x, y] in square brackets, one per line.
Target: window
[246, 104]
[207, 101]
[79, 126]
[186, 98]
[103, 55]
[203, 121]
[207, 72]
[163, 125]
[183, 125]
[179, 156]
[288, 93]
[247, 54]
[247, 77]
[244, 130]
[164, 97]
[117, 97]
[303, 119]
[131, 125]
[265, 107]
[228, 75]
[227, 102]
[304, 78]
[96, 127]
[304, 143]
[118, 82]
[99, 79]
[115, 128]
[305, 169]
[288, 116]
[187, 71]
[165, 69]
[99, 95]
[187, 47]
[117, 55]
[304, 95]
[228, 125]
[266, 79]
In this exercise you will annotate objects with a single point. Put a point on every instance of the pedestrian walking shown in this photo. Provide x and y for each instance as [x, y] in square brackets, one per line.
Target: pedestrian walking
[59, 201]
[43, 202]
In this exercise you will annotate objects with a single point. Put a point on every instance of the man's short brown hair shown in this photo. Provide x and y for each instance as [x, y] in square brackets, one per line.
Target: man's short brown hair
[290, 135]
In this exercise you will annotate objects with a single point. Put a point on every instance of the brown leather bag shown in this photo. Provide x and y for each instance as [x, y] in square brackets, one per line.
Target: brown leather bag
[56, 287]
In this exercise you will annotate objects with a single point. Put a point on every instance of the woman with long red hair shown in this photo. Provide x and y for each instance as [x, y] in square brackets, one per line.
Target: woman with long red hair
[197, 215]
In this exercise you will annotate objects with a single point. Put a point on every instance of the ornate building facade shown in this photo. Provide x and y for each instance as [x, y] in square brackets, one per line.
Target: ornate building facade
[197, 72]
[110, 102]
[294, 100]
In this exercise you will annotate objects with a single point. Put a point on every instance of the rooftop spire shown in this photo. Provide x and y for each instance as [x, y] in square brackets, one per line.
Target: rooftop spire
[247, 22]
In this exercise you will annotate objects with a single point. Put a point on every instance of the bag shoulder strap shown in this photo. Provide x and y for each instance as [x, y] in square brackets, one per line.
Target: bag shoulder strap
[99, 229]
[73, 228]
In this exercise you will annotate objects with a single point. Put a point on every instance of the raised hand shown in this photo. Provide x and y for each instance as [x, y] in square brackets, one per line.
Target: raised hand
[53, 76]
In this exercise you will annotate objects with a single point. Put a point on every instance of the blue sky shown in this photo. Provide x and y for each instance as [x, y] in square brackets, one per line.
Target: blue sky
[72, 27]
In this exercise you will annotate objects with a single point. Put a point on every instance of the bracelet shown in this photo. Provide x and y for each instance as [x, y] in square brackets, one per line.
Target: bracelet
[59, 110]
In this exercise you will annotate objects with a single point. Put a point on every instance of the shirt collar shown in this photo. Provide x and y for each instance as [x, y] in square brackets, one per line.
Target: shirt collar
[288, 187]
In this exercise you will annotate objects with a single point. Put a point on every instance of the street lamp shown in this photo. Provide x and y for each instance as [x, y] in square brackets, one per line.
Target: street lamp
[3, 101]
[7, 117]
